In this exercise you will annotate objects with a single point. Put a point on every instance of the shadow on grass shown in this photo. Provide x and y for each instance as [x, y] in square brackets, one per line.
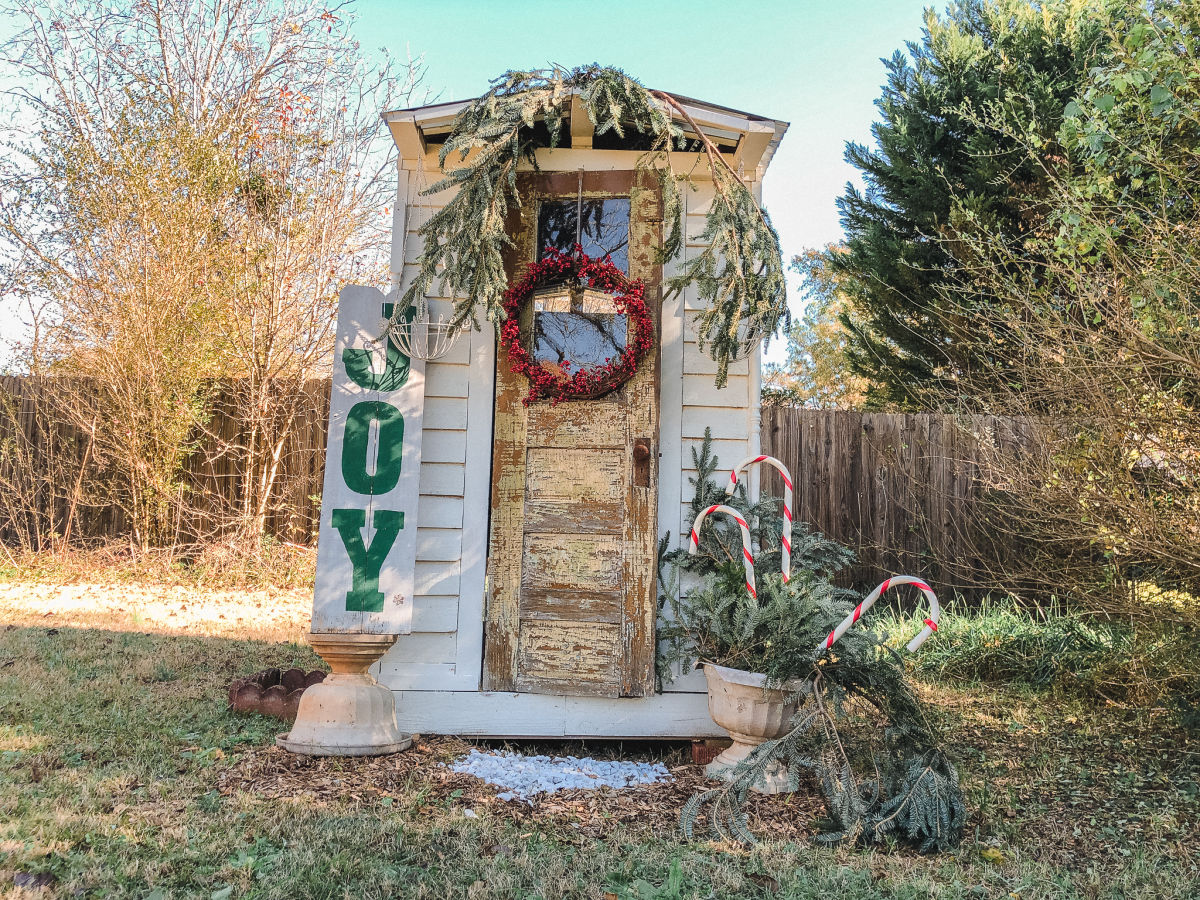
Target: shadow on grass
[114, 747]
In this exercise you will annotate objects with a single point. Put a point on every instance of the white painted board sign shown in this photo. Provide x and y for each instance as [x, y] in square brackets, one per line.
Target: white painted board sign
[366, 547]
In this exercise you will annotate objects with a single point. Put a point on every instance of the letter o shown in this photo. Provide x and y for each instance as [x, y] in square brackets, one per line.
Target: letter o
[390, 447]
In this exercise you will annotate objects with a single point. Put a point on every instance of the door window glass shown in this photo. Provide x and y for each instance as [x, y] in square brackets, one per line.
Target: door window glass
[603, 230]
[582, 328]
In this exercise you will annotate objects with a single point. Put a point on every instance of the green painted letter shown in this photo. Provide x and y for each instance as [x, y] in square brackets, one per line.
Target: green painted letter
[395, 371]
[390, 447]
[364, 594]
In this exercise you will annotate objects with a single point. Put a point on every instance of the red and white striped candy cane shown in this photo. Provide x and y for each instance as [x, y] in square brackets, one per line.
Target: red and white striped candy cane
[747, 556]
[930, 623]
[787, 501]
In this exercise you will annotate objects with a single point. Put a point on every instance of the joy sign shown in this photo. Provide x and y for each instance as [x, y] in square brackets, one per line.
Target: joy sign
[366, 549]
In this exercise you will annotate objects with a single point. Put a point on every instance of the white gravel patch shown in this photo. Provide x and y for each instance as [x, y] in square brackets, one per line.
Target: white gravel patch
[525, 777]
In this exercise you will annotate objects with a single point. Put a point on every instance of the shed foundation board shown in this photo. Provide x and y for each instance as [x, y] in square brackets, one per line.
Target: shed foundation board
[504, 715]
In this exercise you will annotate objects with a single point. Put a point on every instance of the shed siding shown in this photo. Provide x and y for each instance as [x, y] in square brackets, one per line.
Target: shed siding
[729, 411]
[699, 404]
[431, 658]
[444, 652]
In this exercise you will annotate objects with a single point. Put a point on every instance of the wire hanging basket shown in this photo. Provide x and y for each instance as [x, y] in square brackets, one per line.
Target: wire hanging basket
[423, 335]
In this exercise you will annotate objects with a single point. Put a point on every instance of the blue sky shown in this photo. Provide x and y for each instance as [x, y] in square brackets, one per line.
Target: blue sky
[813, 63]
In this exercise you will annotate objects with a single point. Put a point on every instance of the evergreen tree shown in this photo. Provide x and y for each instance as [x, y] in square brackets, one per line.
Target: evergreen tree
[814, 374]
[1018, 60]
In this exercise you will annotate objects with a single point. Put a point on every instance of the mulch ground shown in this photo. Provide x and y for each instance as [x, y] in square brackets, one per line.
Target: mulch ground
[1063, 792]
[419, 777]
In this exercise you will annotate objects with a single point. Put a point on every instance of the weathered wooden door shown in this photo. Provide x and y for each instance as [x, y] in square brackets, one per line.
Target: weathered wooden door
[571, 566]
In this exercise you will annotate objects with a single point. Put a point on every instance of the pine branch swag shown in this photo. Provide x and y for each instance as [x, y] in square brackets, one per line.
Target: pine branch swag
[738, 276]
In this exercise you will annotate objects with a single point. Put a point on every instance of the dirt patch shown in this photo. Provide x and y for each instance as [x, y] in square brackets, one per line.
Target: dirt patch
[264, 614]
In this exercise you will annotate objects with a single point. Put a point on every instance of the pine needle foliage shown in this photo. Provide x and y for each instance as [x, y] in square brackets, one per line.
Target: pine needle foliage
[913, 792]
[720, 538]
[739, 277]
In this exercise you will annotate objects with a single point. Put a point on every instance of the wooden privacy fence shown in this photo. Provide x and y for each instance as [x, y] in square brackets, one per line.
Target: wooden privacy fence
[41, 457]
[215, 480]
[902, 490]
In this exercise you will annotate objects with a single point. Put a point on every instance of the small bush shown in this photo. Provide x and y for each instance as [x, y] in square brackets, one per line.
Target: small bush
[1002, 643]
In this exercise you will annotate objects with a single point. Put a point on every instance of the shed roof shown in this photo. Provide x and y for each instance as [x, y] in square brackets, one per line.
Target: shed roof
[754, 138]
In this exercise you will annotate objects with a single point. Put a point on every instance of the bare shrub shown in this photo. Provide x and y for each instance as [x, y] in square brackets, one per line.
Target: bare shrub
[190, 186]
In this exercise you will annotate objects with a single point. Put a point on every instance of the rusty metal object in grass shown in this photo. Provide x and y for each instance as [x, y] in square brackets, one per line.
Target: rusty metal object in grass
[705, 751]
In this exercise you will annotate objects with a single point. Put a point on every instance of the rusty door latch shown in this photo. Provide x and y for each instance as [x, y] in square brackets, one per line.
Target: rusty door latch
[641, 462]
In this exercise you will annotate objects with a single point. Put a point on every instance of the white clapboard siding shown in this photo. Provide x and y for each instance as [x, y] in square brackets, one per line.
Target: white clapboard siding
[445, 650]
[446, 412]
[440, 512]
[699, 390]
[460, 353]
[428, 647]
[404, 675]
[436, 578]
[441, 545]
[729, 452]
[696, 362]
[400, 216]
[725, 422]
[693, 306]
[444, 379]
[443, 446]
[442, 479]
[435, 614]
[700, 200]
[691, 401]
[410, 272]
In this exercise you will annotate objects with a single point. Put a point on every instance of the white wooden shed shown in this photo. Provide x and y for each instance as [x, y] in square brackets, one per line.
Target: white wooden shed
[529, 616]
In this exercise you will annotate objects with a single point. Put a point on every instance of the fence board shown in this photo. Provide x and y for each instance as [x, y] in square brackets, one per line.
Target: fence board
[899, 489]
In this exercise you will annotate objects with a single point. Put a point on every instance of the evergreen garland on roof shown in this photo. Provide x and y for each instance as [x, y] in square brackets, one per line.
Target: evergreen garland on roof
[739, 277]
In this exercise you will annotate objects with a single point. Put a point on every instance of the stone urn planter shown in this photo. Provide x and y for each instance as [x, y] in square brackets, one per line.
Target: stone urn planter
[349, 713]
[741, 703]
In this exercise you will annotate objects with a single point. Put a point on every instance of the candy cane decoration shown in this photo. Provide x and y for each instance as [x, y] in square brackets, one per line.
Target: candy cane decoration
[930, 623]
[787, 501]
[747, 556]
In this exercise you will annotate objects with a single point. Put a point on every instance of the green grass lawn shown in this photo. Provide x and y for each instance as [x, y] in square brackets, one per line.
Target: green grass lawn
[122, 774]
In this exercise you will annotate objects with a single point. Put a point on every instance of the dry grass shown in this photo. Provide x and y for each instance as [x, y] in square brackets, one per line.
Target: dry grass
[122, 774]
[265, 564]
[219, 593]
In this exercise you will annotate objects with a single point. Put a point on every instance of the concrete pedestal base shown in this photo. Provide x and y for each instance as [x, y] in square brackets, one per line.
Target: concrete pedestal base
[349, 713]
[772, 781]
[741, 703]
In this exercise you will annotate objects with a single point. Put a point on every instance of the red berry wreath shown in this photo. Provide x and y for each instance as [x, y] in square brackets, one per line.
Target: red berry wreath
[554, 381]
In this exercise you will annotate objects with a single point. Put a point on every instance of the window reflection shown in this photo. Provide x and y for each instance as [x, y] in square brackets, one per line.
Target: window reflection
[583, 329]
[604, 229]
